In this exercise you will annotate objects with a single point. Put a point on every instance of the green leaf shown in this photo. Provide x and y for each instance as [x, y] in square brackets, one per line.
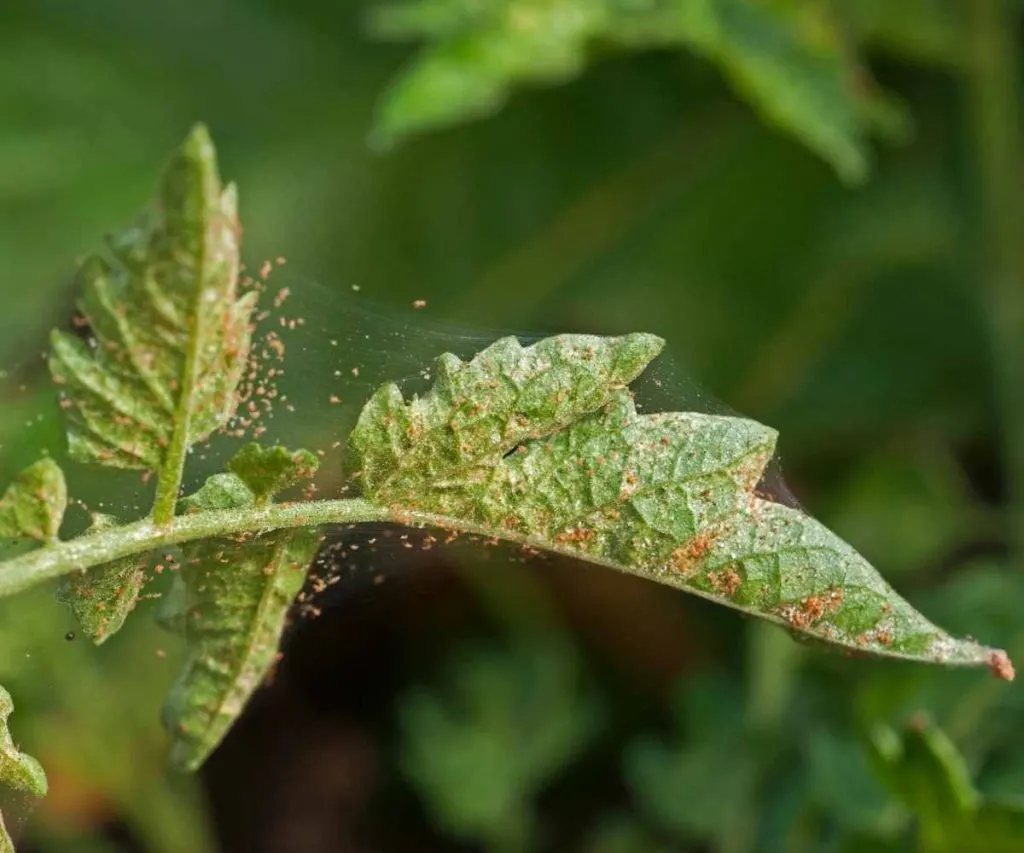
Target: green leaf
[791, 66]
[481, 747]
[269, 470]
[543, 445]
[480, 52]
[237, 597]
[702, 786]
[924, 771]
[792, 61]
[169, 333]
[170, 614]
[102, 598]
[33, 505]
[221, 491]
[18, 772]
[998, 827]
[478, 412]
[231, 607]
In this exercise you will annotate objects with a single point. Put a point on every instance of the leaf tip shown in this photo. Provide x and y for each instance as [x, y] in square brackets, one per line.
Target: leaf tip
[198, 142]
[636, 351]
[1000, 665]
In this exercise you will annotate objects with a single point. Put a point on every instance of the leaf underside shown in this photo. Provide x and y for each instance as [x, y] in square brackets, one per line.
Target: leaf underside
[543, 445]
[168, 333]
[102, 598]
[237, 598]
[32, 507]
[231, 603]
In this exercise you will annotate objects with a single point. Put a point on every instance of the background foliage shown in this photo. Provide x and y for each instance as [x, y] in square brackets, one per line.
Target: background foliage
[818, 202]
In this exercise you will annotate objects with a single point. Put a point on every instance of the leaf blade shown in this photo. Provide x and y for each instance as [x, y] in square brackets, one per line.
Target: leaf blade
[102, 598]
[170, 332]
[231, 600]
[32, 506]
[238, 597]
[671, 497]
[794, 63]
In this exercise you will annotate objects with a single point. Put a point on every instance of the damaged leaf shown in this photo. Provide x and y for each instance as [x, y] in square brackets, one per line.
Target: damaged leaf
[33, 505]
[168, 331]
[102, 598]
[544, 445]
[231, 606]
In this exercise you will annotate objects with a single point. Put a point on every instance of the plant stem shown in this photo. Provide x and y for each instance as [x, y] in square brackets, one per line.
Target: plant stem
[94, 549]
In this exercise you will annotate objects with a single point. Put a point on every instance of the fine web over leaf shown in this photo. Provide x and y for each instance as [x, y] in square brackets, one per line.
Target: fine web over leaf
[102, 598]
[169, 332]
[544, 446]
[234, 597]
[168, 339]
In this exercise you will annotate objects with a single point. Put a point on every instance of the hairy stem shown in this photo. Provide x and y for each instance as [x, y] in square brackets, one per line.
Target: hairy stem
[109, 544]
[142, 537]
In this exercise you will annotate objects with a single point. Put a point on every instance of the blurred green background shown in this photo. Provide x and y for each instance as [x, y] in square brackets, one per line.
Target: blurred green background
[819, 203]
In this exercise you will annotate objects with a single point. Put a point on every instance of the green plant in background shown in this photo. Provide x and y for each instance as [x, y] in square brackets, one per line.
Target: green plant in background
[540, 446]
[709, 788]
[792, 60]
[505, 722]
[923, 771]
[703, 788]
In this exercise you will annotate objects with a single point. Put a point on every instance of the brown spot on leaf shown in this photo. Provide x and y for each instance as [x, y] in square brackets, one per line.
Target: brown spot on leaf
[726, 582]
[813, 608]
[685, 558]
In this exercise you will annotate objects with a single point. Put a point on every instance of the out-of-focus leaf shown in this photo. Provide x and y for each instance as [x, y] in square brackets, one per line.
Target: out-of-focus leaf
[842, 784]
[102, 759]
[789, 60]
[998, 827]
[543, 445]
[924, 771]
[504, 723]
[236, 597]
[703, 785]
[624, 834]
[173, 606]
[102, 598]
[169, 333]
[33, 505]
[927, 31]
